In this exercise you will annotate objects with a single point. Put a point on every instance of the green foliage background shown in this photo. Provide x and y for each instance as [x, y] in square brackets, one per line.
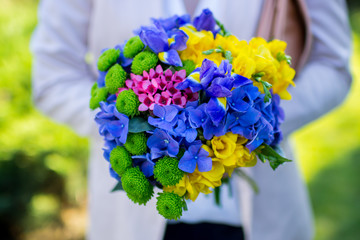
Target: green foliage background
[43, 165]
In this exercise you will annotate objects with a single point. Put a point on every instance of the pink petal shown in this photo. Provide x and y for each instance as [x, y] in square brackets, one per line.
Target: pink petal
[155, 83]
[181, 74]
[165, 94]
[168, 75]
[159, 69]
[152, 73]
[168, 102]
[137, 78]
[157, 97]
[143, 107]
[142, 97]
[129, 83]
[152, 106]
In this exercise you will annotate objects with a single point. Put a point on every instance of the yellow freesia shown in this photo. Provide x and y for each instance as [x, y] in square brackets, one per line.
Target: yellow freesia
[244, 66]
[275, 46]
[198, 42]
[224, 146]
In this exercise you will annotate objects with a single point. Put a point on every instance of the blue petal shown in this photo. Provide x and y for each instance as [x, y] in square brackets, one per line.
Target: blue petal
[173, 147]
[215, 110]
[180, 39]
[205, 21]
[155, 39]
[240, 80]
[204, 164]
[190, 135]
[170, 57]
[113, 173]
[207, 70]
[115, 128]
[101, 79]
[173, 22]
[159, 111]
[147, 168]
[216, 90]
[195, 118]
[171, 113]
[250, 117]
[187, 163]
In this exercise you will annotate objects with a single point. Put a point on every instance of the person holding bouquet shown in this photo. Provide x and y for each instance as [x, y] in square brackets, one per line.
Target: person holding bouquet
[318, 37]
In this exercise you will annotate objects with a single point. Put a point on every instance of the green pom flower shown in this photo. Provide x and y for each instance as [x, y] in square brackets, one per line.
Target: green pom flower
[188, 65]
[137, 187]
[167, 172]
[169, 205]
[97, 95]
[133, 47]
[128, 103]
[115, 78]
[107, 59]
[120, 160]
[136, 143]
[144, 61]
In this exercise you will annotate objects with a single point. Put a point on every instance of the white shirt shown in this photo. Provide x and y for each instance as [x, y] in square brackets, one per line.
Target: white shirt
[69, 29]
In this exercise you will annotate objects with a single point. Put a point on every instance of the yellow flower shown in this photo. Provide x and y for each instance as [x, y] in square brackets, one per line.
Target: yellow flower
[196, 44]
[192, 184]
[224, 146]
[244, 66]
[256, 42]
[243, 156]
[275, 46]
[230, 157]
[285, 77]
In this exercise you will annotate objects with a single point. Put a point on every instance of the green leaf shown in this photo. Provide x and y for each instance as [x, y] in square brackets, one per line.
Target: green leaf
[228, 56]
[139, 124]
[217, 196]
[208, 52]
[185, 207]
[118, 187]
[267, 92]
[283, 57]
[274, 158]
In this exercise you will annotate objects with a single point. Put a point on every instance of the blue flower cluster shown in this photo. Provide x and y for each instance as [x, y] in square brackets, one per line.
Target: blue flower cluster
[231, 103]
[113, 126]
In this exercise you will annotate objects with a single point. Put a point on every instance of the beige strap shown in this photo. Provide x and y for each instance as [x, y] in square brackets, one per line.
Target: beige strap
[287, 20]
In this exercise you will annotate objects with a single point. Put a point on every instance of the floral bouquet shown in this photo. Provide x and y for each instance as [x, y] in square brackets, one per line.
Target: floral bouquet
[184, 105]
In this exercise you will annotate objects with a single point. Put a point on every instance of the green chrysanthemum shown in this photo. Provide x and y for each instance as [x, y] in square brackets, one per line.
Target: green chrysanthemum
[120, 160]
[136, 143]
[169, 205]
[133, 47]
[128, 103]
[167, 172]
[144, 61]
[137, 187]
[107, 59]
[97, 95]
[115, 78]
[188, 65]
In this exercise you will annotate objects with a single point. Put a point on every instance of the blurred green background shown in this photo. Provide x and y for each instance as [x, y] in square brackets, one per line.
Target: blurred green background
[43, 164]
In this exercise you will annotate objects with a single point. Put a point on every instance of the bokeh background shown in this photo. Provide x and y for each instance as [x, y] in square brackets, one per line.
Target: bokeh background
[43, 164]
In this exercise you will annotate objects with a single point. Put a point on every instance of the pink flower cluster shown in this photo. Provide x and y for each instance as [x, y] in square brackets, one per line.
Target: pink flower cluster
[158, 87]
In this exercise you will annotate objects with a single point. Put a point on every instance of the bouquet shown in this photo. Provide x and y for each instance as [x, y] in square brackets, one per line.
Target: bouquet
[184, 105]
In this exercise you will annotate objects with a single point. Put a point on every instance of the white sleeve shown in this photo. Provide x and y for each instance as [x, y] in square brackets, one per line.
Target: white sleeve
[325, 80]
[61, 78]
